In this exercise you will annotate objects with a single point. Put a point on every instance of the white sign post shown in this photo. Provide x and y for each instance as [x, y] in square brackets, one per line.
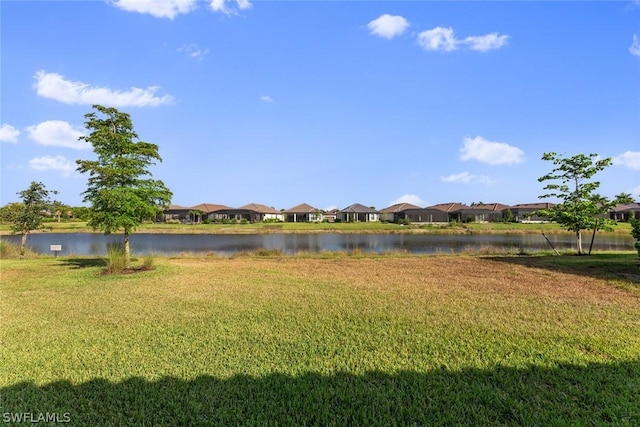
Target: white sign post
[55, 249]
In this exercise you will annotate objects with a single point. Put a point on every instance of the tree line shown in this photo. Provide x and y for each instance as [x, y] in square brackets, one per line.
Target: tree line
[121, 192]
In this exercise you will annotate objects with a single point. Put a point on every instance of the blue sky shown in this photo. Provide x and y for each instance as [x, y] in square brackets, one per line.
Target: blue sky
[327, 103]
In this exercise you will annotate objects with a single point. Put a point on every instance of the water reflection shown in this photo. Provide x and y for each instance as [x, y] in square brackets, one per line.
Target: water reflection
[171, 244]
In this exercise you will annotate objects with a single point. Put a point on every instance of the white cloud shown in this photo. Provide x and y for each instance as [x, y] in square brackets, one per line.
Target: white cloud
[388, 26]
[630, 159]
[486, 42]
[53, 163]
[9, 134]
[438, 38]
[193, 51]
[634, 49]
[56, 133]
[441, 38]
[222, 6]
[409, 198]
[266, 98]
[493, 153]
[158, 8]
[54, 86]
[467, 178]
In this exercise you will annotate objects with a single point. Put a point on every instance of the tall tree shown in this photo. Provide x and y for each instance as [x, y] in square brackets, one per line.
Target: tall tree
[30, 217]
[581, 208]
[120, 190]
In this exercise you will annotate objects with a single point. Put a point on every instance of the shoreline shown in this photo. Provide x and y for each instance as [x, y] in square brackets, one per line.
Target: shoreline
[329, 228]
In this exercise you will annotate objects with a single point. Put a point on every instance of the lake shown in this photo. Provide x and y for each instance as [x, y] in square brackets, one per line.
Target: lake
[228, 244]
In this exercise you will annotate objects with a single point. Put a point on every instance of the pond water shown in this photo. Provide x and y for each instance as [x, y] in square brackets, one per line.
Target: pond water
[222, 244]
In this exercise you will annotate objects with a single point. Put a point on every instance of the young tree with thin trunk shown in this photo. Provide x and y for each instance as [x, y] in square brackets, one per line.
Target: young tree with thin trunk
[120, 190]
[30, 216]
[581, 208]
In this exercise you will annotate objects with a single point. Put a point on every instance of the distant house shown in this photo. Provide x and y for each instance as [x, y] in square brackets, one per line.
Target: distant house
[358, 213]
[303, 213]
[253, 212]
[193, 214]
[481, 212]
[439, 213]
[208, 211]
[176, 213]
[397, 212]
[528, 212]
[624, 212]
[330, 215]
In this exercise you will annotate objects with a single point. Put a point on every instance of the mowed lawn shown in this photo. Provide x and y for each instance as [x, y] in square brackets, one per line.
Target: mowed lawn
[322, 340]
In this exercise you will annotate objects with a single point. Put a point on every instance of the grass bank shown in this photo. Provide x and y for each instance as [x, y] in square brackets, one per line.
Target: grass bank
[325, 339]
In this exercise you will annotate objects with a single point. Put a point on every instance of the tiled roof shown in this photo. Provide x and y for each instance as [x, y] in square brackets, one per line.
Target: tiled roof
[302, 208]
[626, 207]
[494, 207]
[399, 207]
[357, 208]
[209, 207]
[533, 206]
[448, 207]
[256, 207]
[178, 208]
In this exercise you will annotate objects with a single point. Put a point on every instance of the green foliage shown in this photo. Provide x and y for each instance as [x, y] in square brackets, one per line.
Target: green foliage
[10, 250]
[624, 198]
[635, 232]
[120, 191]
[580, 206]
[508, 216]
[10, 211]
[149, 261]
[35, 204]
[80, 212]
[116, 258]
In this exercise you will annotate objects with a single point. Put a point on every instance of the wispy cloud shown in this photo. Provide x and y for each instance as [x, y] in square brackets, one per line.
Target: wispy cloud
[388, 26]
[193, 51]
[444, 39]
[630, 159]
[438, 38]
[266, 98]
[9, 134]
[409, 198]
[486, 42]
[53, 163]
[493, 153]
[634, 49]
[160, 9]
[467, 178]
[57, 133]
[54, 86]
[222, 6]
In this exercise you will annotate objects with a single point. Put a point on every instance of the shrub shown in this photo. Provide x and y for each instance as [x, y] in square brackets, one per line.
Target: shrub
[10, 250]
[635, 232]
[148, 262]
[116, 258]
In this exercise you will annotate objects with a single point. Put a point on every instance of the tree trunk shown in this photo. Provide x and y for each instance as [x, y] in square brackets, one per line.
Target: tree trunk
[579, 242]
[127, 251]
[23, 245]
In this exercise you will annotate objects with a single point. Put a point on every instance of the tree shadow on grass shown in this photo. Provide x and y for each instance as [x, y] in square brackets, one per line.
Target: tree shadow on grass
[83, 262]
[619, 266]
[567, 394]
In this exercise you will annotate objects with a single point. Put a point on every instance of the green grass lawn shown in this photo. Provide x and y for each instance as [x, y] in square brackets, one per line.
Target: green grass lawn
[324, 340]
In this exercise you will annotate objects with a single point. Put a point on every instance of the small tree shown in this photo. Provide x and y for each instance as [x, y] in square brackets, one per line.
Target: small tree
[635, 232]
[10, 211]
[35, 204]
[580, 206]
[120, 191]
